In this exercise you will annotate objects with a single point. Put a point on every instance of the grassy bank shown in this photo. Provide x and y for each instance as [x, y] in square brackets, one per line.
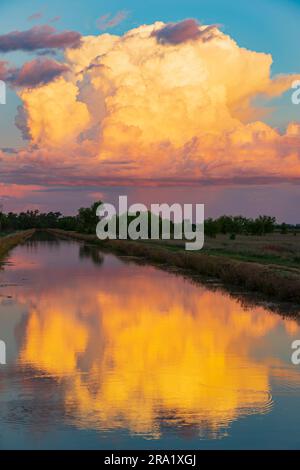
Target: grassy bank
[280, 282]
[10, 241]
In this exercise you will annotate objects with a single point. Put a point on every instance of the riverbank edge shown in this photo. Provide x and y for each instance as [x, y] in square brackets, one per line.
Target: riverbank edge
[10, 241]
[259, 278]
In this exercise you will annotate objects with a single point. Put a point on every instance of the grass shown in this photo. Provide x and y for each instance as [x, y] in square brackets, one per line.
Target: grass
[247, 262]
[270, 249]
[275, 248]
[7, 242]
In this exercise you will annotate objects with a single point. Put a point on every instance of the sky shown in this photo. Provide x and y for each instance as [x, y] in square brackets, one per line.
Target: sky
[165, 101]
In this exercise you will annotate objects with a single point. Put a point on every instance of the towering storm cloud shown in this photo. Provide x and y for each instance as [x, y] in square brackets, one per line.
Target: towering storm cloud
[162, 102]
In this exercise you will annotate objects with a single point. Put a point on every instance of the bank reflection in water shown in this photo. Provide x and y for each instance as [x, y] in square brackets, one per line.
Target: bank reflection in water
[141, 349]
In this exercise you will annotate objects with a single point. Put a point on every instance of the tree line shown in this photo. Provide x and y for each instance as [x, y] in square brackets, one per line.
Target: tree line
[85, 221]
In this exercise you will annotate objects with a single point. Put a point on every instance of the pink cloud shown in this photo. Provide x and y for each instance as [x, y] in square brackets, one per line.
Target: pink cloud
[55, 19]
[39, 37]
[186, 30]
[108, 21]
[38, 72]
[35, 16]
[34, 73]
[3, 70]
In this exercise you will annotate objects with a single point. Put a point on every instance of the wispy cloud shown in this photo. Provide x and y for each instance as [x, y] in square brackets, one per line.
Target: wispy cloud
[35, 16]
[34, 73]
[39, 37]
[38, 72]
[186, 30]
[109, 21]
[3, 70]
[55, 19]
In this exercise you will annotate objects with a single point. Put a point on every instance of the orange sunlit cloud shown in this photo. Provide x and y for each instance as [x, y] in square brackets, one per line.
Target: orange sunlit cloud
[157, 102]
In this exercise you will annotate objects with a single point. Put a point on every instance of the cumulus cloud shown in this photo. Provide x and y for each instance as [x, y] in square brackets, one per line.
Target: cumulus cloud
[131, 108]
[39, 37]
[108, 21]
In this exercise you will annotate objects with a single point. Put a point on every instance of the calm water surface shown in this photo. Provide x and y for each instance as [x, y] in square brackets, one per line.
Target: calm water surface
[103, 353]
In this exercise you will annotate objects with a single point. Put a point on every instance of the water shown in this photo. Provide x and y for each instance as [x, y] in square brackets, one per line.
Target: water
[106, 353]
